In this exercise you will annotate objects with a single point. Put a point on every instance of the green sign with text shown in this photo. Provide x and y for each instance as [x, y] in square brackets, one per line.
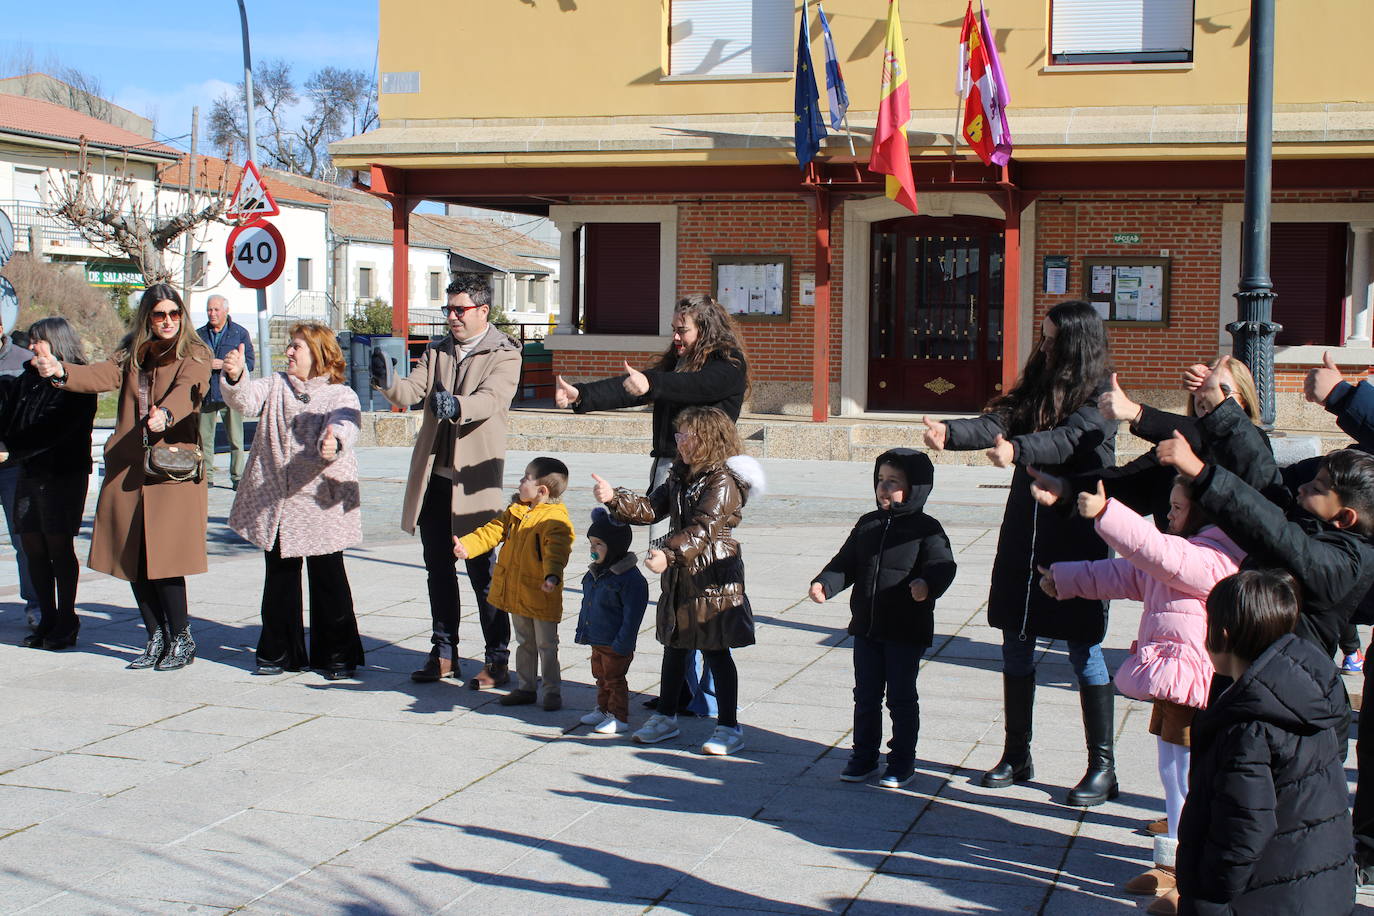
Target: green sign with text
[108, 274]
[1126, 238]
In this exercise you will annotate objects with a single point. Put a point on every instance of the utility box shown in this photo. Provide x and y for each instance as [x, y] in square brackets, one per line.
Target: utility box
[360, 350]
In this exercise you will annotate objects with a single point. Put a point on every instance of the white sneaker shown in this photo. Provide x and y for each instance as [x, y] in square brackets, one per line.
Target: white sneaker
[724, 740]
[595, 717]
[612, 726]
[658, 728]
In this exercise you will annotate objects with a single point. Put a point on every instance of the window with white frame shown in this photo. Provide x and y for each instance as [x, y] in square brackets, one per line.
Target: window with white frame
[1121, 31]
[436, 286]
[364, 282]
[198, 269]
[730, 37]
[303, 273]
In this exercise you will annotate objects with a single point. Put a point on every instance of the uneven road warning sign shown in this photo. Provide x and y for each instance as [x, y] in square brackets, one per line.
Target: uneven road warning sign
[256, 253]
[251, 197]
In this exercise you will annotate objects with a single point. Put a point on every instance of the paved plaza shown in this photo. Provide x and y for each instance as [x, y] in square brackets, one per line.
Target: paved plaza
[212, 790]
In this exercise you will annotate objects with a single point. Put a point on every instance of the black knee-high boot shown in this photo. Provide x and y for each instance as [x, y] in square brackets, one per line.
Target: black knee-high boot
[1099, 783]
[1018, 699]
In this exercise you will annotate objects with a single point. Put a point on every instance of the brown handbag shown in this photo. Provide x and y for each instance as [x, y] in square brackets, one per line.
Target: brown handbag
[177, 463]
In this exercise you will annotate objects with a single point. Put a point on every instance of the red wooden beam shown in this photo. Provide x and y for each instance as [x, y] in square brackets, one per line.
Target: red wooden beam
[820, 346]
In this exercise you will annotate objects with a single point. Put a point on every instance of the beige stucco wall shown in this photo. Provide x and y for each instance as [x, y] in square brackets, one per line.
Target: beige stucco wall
[564, 58]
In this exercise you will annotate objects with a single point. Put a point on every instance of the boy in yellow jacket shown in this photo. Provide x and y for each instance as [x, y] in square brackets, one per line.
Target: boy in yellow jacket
[528, 581]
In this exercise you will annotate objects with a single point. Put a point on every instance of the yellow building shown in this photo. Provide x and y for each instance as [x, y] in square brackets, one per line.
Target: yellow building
[657, 134]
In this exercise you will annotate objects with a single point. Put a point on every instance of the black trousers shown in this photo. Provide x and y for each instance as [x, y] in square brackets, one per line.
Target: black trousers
[723, 672]
[886, 668]
[441, 566]
[161, 602]
[334, 640]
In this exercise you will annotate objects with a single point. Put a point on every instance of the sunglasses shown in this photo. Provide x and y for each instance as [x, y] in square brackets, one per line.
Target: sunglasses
[459, 310]
[173, 315]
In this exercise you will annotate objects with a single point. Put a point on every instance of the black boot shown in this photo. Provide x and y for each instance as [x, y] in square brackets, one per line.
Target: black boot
[1018, 698]
[180, 653]
[442, 663]
[1099, 783]
[153, 652]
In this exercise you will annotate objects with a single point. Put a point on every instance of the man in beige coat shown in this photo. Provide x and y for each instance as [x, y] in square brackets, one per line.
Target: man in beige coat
[466, 382]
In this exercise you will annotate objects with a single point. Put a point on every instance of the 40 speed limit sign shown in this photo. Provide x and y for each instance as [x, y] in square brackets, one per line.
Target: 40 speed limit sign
[256, 254]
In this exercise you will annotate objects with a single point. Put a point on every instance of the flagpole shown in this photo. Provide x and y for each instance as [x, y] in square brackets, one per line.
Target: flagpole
[844, 119]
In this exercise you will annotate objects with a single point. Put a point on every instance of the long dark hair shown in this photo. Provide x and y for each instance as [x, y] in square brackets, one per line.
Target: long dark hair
[58, 333]
[187, 341]
[716, 333]
[1059, 379]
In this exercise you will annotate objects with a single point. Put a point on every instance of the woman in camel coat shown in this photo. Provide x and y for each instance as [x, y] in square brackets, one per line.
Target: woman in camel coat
[150, 531]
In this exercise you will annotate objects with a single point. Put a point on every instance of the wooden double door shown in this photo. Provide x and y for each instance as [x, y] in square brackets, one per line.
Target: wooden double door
[935, 314]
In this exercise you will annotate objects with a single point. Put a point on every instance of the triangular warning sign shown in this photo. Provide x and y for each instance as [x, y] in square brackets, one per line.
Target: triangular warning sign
[251, 197]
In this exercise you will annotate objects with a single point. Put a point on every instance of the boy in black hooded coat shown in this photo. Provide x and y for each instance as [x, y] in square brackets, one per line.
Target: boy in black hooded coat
[899, 561]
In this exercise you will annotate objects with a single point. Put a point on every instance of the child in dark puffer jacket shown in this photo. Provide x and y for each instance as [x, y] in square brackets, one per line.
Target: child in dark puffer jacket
[1265, 828]
[899, 561]
[615, 595]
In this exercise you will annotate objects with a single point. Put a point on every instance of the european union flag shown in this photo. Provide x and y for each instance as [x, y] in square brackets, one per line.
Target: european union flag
[808, 128]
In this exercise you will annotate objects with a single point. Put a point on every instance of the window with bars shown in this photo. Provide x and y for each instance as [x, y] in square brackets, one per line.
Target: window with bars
[1121, 31]
[1307, 264]
[730, 37]
[621, 280]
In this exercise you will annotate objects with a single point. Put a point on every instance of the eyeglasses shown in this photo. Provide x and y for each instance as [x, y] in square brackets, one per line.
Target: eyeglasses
[459, 310]
[683, 437]
[682, 332]
[173, 315]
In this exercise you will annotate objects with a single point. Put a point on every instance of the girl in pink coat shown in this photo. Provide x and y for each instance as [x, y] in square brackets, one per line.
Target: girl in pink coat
[1172, 574]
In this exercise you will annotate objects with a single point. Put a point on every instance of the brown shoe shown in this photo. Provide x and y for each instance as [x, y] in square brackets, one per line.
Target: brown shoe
[1158, 828]
[553, 702]
[1156, 880]
[490, 676]
[1165, 905]
[518, 698]
[440, 664]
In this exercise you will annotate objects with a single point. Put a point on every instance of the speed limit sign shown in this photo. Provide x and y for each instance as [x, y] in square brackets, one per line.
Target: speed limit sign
[256, 254]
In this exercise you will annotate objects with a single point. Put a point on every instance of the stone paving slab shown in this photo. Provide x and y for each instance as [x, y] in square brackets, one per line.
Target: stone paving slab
[212, 790]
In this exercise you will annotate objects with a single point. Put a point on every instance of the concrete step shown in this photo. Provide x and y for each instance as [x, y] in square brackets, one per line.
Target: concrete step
[840, 439]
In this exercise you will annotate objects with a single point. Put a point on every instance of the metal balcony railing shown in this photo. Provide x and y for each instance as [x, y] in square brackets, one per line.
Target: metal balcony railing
[26, 215]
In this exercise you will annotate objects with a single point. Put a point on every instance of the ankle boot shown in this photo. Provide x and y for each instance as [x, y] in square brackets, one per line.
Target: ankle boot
[180, 653]
[153, 652]
[1018, 699]
[442, 663]
[1099, 783]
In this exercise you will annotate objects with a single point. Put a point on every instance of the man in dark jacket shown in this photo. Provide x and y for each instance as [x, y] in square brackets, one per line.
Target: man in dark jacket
[222, 335]
[12, 360]
[898, 561]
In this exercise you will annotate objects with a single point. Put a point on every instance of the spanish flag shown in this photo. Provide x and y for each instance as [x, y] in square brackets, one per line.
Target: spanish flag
[891, 156]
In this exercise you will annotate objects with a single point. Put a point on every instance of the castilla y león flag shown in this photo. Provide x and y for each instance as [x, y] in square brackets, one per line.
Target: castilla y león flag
[891, 156]
[984, 88]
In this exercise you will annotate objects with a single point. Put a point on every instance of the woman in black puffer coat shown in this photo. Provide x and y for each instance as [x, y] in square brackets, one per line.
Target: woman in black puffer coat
[1050, 421]
[1266, 828]
[47, 430]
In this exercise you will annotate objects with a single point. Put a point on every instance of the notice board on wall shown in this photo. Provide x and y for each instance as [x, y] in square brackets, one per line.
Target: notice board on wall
[753, 287]
[1131, 291]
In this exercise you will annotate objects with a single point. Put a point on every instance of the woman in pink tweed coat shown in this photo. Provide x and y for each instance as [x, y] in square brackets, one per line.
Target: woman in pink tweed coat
[299, 501]
[1172, 574]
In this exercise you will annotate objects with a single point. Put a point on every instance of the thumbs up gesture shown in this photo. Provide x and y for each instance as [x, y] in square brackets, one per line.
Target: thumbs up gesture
[636, 382]
[603, 492]
[1179, 455]
[1001, 453]
[565, 395]
[935, 434]
[1090, 505]
[1046, 489]
[44, 363]
[1047, 581]
[329, 443]
[1319, 382]
[233, 364]
[1114, 404]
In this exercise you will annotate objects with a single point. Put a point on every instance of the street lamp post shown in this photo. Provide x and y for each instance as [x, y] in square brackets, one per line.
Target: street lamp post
[264, 331]
[1253, 334]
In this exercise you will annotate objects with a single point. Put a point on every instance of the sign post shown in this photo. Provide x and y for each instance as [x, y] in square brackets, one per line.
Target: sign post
[264, 331]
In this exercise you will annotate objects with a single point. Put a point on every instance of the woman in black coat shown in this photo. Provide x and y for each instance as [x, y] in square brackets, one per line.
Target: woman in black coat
[1049, 420]
[48, 431]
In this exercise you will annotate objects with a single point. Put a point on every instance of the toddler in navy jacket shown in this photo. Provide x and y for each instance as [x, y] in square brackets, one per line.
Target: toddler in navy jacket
[898, 561]
[614, 598]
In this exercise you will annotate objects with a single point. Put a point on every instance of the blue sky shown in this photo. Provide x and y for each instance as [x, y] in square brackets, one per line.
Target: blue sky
[159, 59]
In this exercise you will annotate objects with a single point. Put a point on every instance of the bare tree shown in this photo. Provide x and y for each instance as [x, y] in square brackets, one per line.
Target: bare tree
[296, 126]
[115, 218]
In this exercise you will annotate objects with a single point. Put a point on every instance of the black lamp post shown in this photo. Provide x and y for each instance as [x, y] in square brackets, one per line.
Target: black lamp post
[1254, 332]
